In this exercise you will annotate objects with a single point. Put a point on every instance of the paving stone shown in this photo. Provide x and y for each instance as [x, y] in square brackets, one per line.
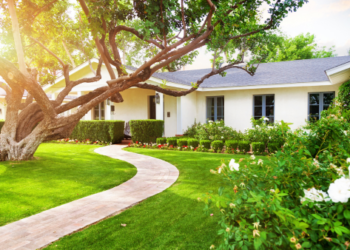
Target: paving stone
[153, 176]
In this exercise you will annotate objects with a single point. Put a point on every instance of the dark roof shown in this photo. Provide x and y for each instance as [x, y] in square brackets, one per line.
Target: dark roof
[299, 71]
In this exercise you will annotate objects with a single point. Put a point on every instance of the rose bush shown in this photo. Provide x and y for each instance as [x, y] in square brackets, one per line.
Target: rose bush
[297, 200]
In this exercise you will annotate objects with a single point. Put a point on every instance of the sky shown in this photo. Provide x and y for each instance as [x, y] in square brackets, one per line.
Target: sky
[328, 20]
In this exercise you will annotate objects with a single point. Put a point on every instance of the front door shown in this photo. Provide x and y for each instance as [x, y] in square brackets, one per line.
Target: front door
[152, 107]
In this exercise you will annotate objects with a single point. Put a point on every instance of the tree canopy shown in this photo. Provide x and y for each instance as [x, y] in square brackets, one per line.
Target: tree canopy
[283, 48]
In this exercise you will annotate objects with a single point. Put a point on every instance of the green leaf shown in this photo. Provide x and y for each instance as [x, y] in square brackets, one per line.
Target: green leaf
[306, 244]
[340, 208]
[257, 243]
[347, 214]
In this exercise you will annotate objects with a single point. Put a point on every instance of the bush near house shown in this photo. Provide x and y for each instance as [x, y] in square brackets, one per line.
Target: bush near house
[205, 144]
[272, 147]
[161, 140]
[182, 142]
[217, 145]
[244, 146]
[231, 144]
[258, 147]
[146, 130]
[172, 141]
[193, 143]
[106, 131]
[2, 122]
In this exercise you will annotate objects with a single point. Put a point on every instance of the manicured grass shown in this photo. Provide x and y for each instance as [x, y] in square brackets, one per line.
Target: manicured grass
[58, 175]
[173, 219]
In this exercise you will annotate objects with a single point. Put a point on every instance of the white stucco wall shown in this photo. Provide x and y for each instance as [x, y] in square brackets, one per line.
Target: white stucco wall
[188, 110]
[135, 105]
[291, 104]
[170, 122]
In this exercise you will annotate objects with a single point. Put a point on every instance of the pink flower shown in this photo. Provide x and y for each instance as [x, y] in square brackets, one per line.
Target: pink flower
[211, 214]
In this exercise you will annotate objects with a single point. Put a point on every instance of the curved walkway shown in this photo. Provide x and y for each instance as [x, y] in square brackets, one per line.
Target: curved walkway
[37, 231]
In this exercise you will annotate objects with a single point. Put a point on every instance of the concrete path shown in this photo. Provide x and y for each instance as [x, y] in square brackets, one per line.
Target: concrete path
[37, 231]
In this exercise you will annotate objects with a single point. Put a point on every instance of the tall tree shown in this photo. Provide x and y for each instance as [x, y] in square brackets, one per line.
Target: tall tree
[172, 28]
[283, 48]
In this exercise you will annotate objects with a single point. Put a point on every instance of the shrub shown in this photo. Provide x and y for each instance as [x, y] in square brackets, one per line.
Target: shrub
[272, 147]
[2, 122]
[217, 145]
[104, 131]
[258, 147]
[214, 131]
[296, 199]
[231, 144]
[192, 131]
[244, 146]
[172, 141]
[205, 144]
[146, 130]
[181, 142]
[161, 140]
[193, 142]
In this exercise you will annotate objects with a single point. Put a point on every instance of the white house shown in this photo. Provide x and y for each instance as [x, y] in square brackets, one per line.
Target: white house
[290, 91]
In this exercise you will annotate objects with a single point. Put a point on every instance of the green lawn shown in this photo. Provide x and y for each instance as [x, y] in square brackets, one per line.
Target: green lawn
[58, 175]
[173, 219]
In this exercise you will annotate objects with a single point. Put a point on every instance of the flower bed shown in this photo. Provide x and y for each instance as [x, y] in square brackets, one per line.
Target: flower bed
[84, 142]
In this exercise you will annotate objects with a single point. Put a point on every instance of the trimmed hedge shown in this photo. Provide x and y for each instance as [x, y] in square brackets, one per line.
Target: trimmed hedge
[172, 141]
[161, 140]
[106, 131]
[272, 147]
[181, 142]
[217, 145]
[205, 143]
[193, 142]
[244, 146]
[231, 144]
[258, 147]
[146, 130]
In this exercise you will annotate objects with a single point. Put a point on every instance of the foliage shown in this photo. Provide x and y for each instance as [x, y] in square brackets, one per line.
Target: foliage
[273, 147]
[231, 144]
[58, 175]
[172, 141]
[244, 146]
[217, 145]
[214, 131]
[106, 131]
[182, 142]
[146, 130]
[193, 143]
[258, 147]
[161, 140]
[2, 122]
[263, 131]
[299, 200]
[344, 95]
[283, 48]
[205, 144]
[192, 131]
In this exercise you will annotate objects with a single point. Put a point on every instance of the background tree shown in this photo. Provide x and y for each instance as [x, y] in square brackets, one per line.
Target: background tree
[43, 27]
[283, 48]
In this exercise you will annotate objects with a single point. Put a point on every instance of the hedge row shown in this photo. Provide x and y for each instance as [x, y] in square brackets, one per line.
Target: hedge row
[146, 131]
[258, 147]
[106, 131]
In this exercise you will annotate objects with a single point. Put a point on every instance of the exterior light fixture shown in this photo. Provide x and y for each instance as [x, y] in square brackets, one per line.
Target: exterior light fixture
[157, 98]
[108, 101]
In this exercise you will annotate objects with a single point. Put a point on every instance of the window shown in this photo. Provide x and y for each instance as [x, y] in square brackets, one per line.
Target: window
[99, 112]
[264, 105]
[215, 108]
[319, 102]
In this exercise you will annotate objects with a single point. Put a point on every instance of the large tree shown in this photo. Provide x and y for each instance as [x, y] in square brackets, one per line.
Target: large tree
[43, 30]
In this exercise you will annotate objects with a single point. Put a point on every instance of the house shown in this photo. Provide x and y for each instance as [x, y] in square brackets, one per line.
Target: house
[291, 91]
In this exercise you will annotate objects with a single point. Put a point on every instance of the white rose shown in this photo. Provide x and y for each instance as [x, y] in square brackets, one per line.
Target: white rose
[348, 160]
[339, 191]
[252, 157]
[233, 165]
[315, 195]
